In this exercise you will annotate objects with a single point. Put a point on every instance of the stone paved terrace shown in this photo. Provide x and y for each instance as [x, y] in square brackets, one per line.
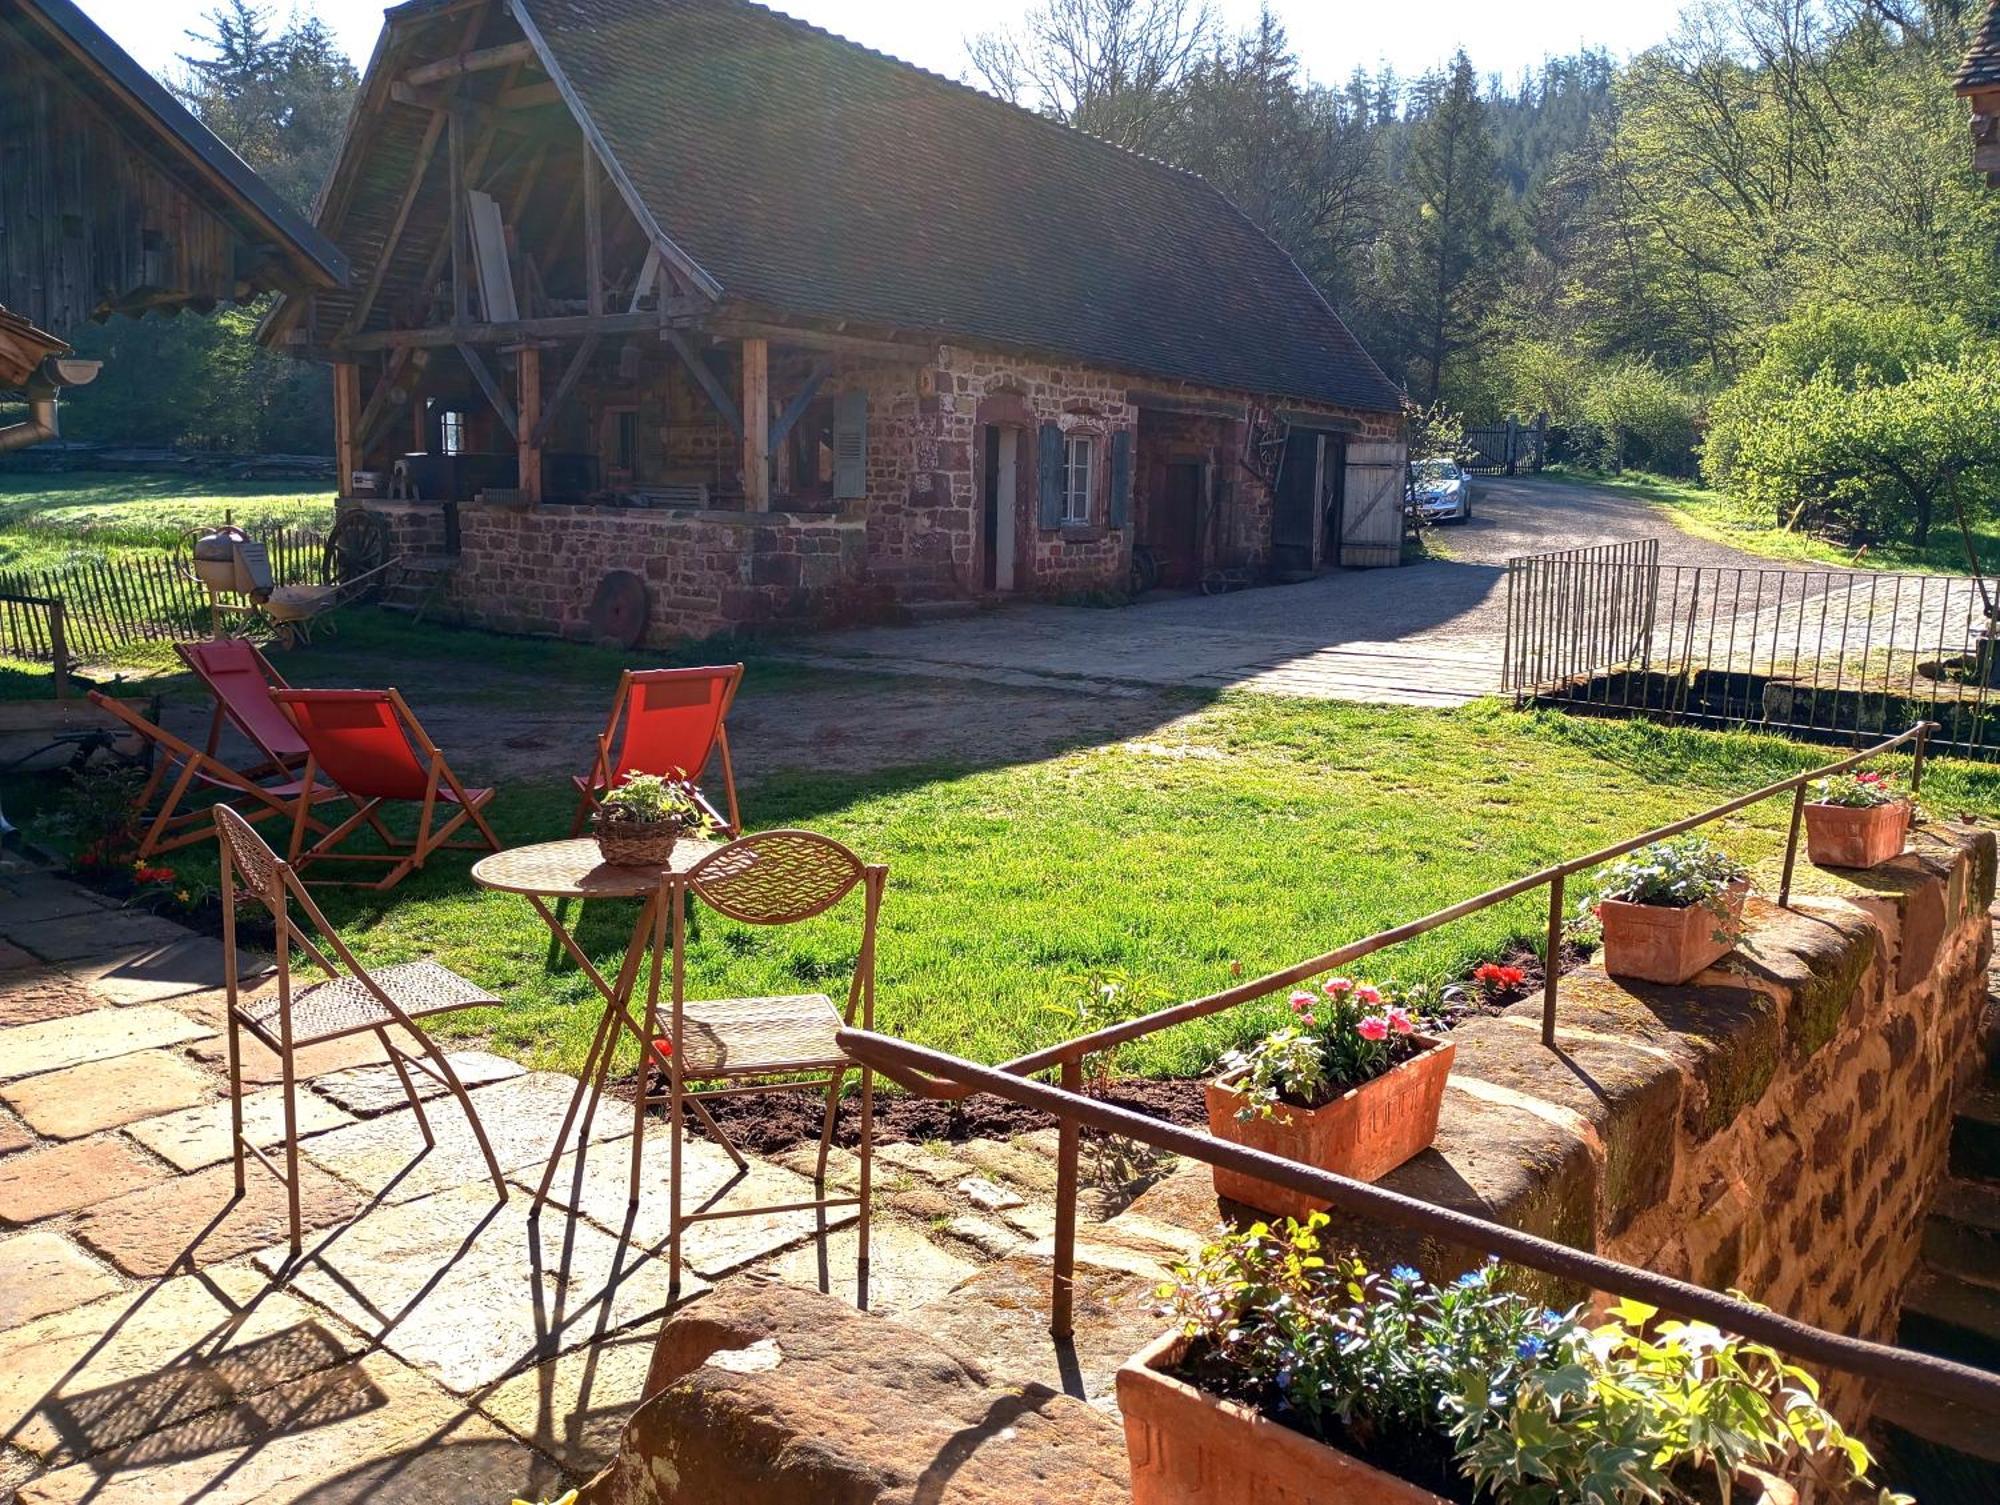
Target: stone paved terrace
[433, 1345]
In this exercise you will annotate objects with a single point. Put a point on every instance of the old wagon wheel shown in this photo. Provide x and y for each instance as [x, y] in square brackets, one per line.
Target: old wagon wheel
[356, 547]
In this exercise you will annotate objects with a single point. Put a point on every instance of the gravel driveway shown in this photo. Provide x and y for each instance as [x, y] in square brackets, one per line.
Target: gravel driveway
[1424, 634]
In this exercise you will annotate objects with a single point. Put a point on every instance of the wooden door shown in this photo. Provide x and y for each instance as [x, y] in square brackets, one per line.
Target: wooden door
[1295, 509]
[1173, 522]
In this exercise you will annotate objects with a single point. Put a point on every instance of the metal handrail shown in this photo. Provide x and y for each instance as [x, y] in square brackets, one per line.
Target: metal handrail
[1067, 1056]
[1939, 1378]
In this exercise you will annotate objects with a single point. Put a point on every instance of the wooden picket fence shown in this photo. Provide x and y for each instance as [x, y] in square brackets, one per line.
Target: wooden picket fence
[108, 606]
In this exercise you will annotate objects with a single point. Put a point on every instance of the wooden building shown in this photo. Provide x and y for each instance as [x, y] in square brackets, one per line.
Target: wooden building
[115, 200]
[690, 291]
[1978, 83]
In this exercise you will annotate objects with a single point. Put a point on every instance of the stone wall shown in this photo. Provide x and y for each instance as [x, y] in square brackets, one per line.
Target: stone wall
[1775, 1127]
[534, 570]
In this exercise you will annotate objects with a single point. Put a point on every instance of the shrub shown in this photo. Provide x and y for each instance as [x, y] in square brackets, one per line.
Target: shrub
[1676, 873]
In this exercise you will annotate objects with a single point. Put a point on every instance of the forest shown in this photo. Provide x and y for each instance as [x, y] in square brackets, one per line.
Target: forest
[1756, 251]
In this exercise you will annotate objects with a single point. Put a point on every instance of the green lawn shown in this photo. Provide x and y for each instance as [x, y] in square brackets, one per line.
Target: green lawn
[1696, 510]
[47, 521]
[1249, 834]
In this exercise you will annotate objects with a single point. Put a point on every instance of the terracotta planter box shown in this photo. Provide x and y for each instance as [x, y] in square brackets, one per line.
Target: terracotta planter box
[1653, 943]
[1191, 1448]
[1188, 1447]
[1364, 1133]
[1851, 836]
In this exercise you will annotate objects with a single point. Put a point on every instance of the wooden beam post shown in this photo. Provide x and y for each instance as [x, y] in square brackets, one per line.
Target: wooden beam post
[593, 232]
[346, 425]
[756, 409]
[457, 66]
[456, 224]
[529, 430]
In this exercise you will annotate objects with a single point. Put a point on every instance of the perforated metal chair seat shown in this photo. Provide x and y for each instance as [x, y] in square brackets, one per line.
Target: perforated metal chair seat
[343, 1005]
[723, 1037]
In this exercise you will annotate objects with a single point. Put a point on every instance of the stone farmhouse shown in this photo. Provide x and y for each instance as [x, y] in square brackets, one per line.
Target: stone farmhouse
[763, 325]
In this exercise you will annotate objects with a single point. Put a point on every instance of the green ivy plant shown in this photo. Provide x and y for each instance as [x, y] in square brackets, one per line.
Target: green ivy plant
[652, 800]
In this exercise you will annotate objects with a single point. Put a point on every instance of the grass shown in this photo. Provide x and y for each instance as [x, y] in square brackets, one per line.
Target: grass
[1717, 518]
[1246, 835]
[47, 521]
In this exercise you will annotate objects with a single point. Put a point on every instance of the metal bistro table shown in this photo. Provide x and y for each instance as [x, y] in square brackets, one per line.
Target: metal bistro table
[573, 870]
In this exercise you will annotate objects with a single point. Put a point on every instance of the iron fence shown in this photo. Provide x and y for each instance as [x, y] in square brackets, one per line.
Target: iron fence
[112, 604]
[1827, 655]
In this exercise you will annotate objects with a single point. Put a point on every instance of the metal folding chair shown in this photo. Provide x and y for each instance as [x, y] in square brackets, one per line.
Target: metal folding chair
[350, 1002]
[773, 878]
[668, 722]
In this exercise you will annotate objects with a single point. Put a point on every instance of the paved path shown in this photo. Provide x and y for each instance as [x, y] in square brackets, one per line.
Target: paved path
[434, 1345]
[1423, 634]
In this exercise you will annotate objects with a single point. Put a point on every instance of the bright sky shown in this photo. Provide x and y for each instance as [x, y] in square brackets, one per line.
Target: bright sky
[1331, 36]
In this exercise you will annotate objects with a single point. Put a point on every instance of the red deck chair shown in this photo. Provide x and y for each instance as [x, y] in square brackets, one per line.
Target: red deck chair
[184, 771]
[241, 679]
[369, 746]
[667, 722]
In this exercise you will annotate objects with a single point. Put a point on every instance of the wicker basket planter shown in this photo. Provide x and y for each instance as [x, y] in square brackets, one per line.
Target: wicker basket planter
[636, 843]
[1856, 835]
[1364, 1133]
[1188, 1447]
[1657, 943]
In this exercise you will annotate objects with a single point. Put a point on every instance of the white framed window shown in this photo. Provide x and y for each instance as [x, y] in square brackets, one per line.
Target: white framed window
[1079, 479]
[451, 432]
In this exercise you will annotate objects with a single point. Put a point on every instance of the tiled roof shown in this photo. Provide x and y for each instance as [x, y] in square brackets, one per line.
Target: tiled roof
[1981, 68]
[817, 178]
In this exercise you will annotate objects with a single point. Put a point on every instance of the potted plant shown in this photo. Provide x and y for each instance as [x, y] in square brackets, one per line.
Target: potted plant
[1855, 820]
[1351, 1085]
[1670, 908]
[638, 822]
[1290, 1373]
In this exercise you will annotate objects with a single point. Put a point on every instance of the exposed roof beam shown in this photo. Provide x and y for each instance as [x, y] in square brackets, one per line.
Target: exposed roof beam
[460, 64]
[528, 96]
[730, 328]
[552, 328]
[476, 364]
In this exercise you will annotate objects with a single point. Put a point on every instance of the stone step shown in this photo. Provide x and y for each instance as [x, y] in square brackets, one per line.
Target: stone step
[1962, 1233]
[1935, 1450]
[1975, 1134]
[1952, 1318]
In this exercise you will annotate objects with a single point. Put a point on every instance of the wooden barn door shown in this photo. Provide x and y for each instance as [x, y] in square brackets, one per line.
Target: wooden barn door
[1371, 530]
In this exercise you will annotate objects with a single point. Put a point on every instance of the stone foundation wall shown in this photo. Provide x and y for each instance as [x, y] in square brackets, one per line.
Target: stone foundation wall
[534, 570]
[1776, 1127]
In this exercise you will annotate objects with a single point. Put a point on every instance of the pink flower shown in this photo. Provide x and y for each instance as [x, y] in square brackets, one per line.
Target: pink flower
[1301, 1001]
[1308, 1021]
[1335, 986]
[1368, 995]
[1374, 1027]
[1399, 1020]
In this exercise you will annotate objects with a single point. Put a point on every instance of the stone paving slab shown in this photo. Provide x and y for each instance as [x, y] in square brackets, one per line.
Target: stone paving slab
[574, 1407]
[470, 1290]
[97, 937]
[14, 959]
[708, 1179]
[46, 1273]
[198, 1137]
[53, 1044]
[905, 1269]
[162, 970]
[98, 1376]
[81, 1100]
[386, 1156]
[64, 1177]
[31, 901]
[29, 995]
[13, 1135]
[368, 1091]
[261, 1066]
[374, 1432]
[197, 1220]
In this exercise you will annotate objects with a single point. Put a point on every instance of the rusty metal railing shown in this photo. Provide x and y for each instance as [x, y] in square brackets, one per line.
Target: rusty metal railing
[914, 1065]
[1067, 1057]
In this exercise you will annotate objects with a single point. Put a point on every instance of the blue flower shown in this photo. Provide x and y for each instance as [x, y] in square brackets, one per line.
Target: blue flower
[1470, 1279]
[1532, 1347]
[1406, 1274]
[1553, 1318]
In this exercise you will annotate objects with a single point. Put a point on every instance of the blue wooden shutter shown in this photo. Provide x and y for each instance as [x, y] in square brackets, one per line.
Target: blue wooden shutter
[1052, 476]
[850, 445]
[1121, 477]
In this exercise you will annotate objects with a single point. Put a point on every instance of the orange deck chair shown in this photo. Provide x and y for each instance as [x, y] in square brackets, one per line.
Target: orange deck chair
[241, 679]
[369, 745]
[667, 722]
[183, 771]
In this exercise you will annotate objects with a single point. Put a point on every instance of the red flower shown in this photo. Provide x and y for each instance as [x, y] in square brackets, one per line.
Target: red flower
[1399, 1020]
[1498, 977]
[153, 874]
[1374, 1027]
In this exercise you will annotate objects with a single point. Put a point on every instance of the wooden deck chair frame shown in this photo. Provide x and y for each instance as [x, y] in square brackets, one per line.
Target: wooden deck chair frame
[403, 857]
[226, 714]
[179, 767]
[242, 852]
[790, 877]
[590, 786]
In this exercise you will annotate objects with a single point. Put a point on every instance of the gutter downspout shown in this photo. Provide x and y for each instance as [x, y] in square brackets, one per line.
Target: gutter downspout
[54, 373]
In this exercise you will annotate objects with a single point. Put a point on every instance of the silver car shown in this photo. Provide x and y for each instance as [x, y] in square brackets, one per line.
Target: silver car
[1441, 490]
